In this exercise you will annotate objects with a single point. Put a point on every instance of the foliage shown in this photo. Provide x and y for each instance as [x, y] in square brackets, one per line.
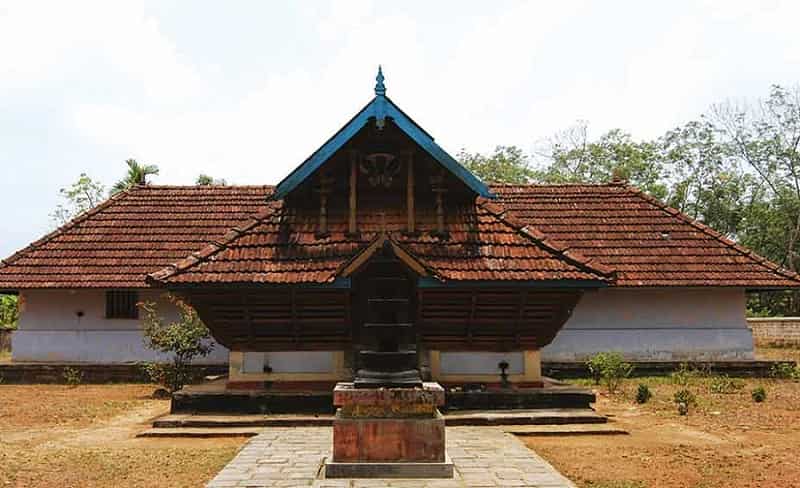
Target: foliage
[683, 375]
[785, 371]
[184, 340]
[206, 180]
[136, 175]
[643, 394]
[72, 376]
[9, 311]
[611, 368]
[759, 394]
[81, 196]
[507, 164]
[684, 399]
[725, 384]
[570, 157]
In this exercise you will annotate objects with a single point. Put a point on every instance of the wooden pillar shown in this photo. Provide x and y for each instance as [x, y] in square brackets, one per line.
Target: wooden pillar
[323, 189]
[351, 223]
[410, 193]
[438, 187]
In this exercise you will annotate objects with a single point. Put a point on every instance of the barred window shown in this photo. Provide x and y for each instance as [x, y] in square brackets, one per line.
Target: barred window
[121, 304]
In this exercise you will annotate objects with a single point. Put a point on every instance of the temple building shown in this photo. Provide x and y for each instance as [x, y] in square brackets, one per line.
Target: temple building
[382, 247]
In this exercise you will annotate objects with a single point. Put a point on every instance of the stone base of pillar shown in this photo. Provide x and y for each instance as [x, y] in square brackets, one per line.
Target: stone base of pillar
[388, 433]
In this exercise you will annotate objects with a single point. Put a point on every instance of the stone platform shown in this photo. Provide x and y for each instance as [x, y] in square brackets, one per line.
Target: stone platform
[214, 397]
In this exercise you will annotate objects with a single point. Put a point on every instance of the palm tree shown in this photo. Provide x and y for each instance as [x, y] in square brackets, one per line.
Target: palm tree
[137, 175]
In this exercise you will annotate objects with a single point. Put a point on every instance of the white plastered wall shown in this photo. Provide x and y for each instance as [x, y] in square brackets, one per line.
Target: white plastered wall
[50, 329]
[656, 324]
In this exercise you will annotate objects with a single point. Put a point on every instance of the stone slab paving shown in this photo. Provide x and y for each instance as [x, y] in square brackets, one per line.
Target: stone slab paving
[294, 456]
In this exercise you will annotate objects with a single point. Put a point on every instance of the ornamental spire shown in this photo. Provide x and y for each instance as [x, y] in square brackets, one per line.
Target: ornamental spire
[380, 89]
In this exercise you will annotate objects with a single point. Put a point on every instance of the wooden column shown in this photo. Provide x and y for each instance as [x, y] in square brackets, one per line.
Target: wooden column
[351, 223]
[410, 192]
[439, 189]
[323, 189]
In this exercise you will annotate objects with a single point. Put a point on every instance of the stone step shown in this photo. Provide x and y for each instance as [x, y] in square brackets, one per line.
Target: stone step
[173, 421]
[565, 430]
[201, 432]
[543, 416]
[559, 417]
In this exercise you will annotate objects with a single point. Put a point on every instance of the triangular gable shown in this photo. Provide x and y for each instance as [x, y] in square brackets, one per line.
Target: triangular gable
[379, 109]
[360, 259]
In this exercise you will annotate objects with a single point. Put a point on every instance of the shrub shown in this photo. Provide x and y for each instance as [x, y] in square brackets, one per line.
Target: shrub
[759, 394]
[786, 371]
[72, 376]
[685, 373]
[611, 368]
[184, 340]
[724, 384]
[643, 394]
[684, 399]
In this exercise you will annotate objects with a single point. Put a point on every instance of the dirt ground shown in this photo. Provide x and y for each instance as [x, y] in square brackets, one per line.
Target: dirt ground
[727, 440]
[56, 436]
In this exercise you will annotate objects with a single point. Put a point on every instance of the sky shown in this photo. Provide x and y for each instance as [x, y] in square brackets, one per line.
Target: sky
[247, 90]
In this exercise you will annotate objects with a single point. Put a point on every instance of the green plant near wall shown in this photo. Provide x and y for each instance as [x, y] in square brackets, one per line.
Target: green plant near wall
[610, 368]
[181, 340]
[9, 311]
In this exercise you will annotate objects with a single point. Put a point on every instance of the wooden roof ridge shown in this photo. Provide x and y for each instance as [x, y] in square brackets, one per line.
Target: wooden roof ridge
[556, 247]
[78, 219]
[215, 246]
[758, 259]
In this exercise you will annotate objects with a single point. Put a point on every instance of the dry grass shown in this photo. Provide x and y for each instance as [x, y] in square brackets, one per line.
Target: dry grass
[5, 356]
[53, 435]
[726, 440]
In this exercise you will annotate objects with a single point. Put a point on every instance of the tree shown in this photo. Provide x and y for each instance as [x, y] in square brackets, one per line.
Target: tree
[766, 138]
[81, 196]
[184, 340]
[706, 180]
[206, 180]
[507, 164]
[137, 175]
[9, 311]
[570, 157]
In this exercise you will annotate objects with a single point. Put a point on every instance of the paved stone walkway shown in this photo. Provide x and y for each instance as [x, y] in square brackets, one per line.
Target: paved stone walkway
[294, 456]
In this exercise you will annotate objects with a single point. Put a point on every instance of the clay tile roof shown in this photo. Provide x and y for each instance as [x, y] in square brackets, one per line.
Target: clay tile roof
[482, 244]
[133, 233]
[646, 242]
[604, 233]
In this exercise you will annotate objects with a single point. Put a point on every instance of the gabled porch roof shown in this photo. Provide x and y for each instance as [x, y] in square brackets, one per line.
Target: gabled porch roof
[378, 110]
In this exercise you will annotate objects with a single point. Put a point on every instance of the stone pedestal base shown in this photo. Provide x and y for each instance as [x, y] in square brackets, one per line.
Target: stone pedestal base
[389, 470]
[388, 433]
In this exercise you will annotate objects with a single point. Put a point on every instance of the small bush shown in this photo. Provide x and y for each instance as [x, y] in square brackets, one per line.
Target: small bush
[170, 376]
[686, 373]
[643, 394]
[184, 340]
[684, 399]
[72, 376]
[759, 394]
[785, 371]
[725, 385]
[611, 368]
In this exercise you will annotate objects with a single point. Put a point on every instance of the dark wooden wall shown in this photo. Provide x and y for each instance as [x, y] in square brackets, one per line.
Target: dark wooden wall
[449, 319]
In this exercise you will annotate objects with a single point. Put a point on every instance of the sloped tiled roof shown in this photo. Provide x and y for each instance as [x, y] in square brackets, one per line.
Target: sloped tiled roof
[643, 240]
[134, 233]
[483, 243]
[530, 232]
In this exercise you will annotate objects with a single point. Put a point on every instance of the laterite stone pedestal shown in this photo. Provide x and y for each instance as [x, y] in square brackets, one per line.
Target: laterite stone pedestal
[388, 433]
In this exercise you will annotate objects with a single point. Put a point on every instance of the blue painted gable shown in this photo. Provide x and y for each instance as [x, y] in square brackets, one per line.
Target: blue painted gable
[378, 110]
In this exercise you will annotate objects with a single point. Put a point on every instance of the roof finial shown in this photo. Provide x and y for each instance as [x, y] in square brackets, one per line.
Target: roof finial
[380, 89]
